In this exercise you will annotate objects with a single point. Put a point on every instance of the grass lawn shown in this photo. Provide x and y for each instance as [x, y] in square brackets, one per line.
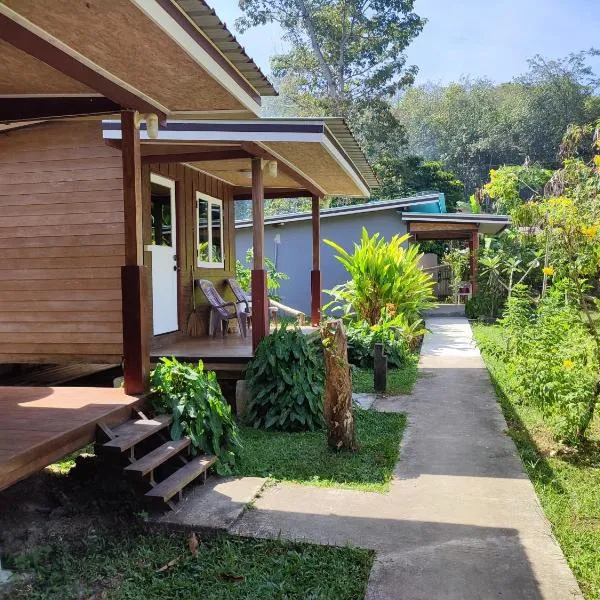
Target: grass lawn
[399, 381]
[129, 567]
[305, 458]
[566, 481]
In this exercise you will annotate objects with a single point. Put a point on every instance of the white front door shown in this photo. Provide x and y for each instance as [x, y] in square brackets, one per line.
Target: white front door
[164, 256]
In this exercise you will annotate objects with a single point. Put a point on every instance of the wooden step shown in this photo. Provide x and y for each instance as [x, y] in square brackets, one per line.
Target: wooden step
[131, 433]
[157, 457]
[166, 489]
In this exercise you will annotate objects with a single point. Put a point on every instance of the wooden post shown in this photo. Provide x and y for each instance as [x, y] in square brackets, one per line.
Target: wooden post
[134, 275]
[315, 274]
[379, 369]
[474, 251]
[260, 301]
[337, 401]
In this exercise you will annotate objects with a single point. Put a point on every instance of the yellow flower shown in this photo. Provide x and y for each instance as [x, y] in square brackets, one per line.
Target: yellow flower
[548, 271]
[597, 161]
[590, 231]
[568, 364]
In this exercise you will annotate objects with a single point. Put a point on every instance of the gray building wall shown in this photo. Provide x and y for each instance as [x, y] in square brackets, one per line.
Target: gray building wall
[294, 255]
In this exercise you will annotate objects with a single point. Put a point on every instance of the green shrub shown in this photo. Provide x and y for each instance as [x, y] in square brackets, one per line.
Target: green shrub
[382, 275]
[200, 412]
[483, 306]
[362, 338]
[285, 383]
[550, 355]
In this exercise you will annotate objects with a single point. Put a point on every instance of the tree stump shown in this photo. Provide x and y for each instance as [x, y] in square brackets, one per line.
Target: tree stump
[338, 388]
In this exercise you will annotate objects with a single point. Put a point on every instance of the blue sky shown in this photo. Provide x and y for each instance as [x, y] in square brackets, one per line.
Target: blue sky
[484, 38]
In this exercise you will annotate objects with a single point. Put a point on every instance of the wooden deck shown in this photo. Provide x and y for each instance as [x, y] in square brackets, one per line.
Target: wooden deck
[40, 425]
[219, 349]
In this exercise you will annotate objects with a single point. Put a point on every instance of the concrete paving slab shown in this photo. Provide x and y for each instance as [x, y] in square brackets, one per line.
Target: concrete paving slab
[446, 310]
[214, 506]
[461, 520]
[365, 400]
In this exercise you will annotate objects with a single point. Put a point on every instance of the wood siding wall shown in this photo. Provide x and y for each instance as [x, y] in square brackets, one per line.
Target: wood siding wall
[61, 245]
[187, 182]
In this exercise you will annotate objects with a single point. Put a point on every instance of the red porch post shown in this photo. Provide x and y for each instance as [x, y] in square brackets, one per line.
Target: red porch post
[260, 302]
[474, 251]
[134, 275]
[315, 274]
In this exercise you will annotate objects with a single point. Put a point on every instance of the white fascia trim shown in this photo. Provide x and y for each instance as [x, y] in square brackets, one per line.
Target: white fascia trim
[222, 136]
[167, 23]
[17, 18]
[346, 166]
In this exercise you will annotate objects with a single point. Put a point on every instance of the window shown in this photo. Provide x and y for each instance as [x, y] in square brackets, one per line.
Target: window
[209, 219]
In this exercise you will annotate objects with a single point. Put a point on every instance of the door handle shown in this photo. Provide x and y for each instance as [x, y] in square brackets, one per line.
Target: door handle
[176, 268]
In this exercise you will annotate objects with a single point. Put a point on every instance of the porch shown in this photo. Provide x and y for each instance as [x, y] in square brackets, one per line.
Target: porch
[228, 349]
[40, 425]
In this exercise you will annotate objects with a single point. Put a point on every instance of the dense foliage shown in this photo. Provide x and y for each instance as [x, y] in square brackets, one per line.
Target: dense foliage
[243, 273]
[511, 185]
[384, 276]
[457, 258]
[285, 383]
[551, 354]
[200, 412]
[362, 338]
[344, 60]
[407, 175]
[547, 270]
[474, 125]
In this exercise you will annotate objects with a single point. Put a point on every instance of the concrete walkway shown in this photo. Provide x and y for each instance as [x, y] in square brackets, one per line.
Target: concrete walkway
[462, 520]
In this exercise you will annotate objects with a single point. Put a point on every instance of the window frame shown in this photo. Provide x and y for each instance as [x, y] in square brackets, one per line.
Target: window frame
[211, 201]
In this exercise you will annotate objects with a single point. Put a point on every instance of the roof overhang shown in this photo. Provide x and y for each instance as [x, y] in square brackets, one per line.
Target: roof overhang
[444, 226]
[311, 159]
[85, 49]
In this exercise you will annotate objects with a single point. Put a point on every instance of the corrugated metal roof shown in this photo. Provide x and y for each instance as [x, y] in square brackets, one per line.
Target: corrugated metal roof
[338, 211]
[223, 40]
[342, 133]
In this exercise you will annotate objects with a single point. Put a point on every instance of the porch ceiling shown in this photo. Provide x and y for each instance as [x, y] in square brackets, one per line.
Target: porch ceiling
[151, 49]
[310, 159]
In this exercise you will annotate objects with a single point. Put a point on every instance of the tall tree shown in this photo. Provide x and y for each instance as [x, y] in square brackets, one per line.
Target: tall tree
[411, 174]
[476, 125]
[346, 58]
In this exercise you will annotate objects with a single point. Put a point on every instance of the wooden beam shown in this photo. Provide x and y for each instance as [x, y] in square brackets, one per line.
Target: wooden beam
[245, 193]
[473, 255]
[260, 302]
[315, 274]
[422, 226]
[441, 235]
[195, 156]
[257, 150]
[132, 188]
[134, 275]
[47, 107]
[34, 45]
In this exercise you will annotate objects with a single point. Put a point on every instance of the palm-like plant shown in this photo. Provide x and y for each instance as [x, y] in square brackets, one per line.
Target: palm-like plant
[384, 275]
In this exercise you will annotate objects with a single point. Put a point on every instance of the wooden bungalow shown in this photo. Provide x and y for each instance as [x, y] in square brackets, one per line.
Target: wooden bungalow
[104, 225]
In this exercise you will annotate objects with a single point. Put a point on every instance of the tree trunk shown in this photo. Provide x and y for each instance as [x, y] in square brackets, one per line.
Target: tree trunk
[338, 389]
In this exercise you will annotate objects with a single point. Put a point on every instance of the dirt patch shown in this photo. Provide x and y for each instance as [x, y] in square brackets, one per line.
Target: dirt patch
[48, 506]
